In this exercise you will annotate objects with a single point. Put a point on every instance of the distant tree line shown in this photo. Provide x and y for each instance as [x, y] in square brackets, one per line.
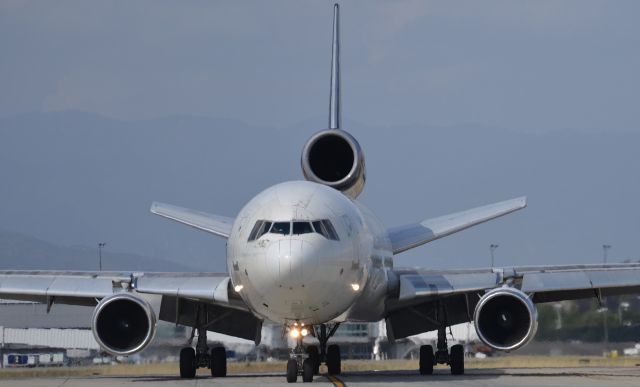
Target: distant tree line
[584, 320]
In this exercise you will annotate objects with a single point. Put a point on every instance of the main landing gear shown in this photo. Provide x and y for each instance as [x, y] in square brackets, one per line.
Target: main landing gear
[306, 362]
[454, 358]
[201, 357]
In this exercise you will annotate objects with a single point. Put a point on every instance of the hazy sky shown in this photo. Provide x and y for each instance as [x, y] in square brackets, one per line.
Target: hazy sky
[535, 65]
[439, 93]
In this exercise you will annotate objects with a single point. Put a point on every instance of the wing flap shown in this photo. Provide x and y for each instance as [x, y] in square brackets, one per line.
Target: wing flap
[215, 224]
[409, 236]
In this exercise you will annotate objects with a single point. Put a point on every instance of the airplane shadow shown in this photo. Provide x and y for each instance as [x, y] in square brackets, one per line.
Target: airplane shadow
[414, 376]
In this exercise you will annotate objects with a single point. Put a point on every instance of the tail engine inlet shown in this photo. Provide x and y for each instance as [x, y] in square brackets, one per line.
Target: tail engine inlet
[506, 319]
[123, 324]
[334, 158]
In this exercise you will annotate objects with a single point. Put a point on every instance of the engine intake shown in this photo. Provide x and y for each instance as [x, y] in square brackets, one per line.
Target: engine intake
[334, 158]
[123, 324]
[506, 319]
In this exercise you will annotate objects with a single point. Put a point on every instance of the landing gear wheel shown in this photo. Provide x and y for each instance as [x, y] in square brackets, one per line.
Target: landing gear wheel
[456, 359]
[426, 360]
[333, 360]
[187, 363]
[314, 356]
[218, 362]
[307, 370]
[292, 371]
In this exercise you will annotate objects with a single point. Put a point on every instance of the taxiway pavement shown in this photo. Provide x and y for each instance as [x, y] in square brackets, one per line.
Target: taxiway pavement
[556, 377]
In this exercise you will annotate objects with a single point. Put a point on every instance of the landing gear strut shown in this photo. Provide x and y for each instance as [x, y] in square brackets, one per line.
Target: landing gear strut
[201, 357]
[331, 355]
[454, 358]
[307, 362]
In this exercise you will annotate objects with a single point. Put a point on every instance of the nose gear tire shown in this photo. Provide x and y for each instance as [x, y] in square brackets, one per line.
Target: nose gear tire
[292, 371]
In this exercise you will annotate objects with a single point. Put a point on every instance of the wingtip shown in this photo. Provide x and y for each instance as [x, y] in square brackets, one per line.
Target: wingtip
[523, 201]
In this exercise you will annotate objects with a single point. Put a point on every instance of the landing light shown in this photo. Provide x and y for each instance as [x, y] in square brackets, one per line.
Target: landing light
[238, 288]
[355, 287]
[294, 333]
[304, 332]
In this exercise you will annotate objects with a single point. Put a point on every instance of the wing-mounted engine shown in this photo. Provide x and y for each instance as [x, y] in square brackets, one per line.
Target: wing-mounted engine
[334, 158]
[505, 319]
[123, 324]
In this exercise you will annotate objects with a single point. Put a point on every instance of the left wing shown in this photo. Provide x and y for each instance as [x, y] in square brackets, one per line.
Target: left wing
[420, 292]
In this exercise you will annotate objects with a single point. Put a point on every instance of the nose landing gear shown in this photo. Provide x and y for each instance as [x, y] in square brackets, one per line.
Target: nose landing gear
[306, 363]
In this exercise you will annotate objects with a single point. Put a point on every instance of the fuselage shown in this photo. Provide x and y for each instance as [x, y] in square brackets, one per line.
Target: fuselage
[304, 252]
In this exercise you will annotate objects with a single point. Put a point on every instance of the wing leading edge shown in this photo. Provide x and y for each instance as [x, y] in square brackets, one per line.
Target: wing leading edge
[409, 236]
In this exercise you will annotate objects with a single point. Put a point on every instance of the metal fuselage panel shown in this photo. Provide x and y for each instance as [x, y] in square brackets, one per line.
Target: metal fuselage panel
[308, 278]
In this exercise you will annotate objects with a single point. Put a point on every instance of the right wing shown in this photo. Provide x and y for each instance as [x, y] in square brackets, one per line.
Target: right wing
[181, 298]
[215, 224]
[409, 236]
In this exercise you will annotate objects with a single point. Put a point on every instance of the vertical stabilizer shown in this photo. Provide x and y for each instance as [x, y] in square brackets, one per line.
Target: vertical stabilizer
[334, 96]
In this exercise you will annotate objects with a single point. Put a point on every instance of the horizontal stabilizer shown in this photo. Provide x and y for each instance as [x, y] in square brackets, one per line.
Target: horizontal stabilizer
[413, 235]
[215, 224]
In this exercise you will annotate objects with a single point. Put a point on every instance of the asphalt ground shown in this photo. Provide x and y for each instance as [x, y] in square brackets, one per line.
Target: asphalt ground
[544, 377]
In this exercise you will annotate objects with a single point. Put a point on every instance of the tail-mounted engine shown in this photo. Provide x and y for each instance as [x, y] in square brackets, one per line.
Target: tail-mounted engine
[334, 158]
[123, 324]
[506, 319]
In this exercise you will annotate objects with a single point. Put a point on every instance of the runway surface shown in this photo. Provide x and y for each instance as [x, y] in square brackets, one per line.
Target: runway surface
[584, 377]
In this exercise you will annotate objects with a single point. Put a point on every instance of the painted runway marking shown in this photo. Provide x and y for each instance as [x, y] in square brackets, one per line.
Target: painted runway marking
[336, 382]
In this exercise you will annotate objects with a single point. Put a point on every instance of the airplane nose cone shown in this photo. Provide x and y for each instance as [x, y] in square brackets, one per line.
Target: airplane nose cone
[292, 262]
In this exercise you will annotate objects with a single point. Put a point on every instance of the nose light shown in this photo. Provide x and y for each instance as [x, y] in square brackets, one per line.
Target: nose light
[238, 288]
[355, 287]
[296, 332]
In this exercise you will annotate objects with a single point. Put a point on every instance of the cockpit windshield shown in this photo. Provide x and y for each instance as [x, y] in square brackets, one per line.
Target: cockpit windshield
[322, 227]
[302, 228]
[281, 228]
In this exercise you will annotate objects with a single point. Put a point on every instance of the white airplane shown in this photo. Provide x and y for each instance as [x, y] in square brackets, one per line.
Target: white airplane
[307, 255]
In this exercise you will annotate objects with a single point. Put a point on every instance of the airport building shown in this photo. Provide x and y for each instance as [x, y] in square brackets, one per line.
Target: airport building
[27, 329]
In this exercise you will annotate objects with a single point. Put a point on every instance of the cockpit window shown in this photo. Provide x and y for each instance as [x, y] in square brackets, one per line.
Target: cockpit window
[325, 228]
[259, 229]
[322, 227]
[283, 228]
[302, 228]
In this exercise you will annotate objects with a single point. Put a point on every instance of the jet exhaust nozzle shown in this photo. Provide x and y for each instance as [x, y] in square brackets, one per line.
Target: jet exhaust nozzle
[334, 158]
[123, 324]
[505, 319]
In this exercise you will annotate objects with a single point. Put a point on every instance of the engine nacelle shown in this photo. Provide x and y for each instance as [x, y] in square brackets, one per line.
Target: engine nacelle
[506, 319]
[123, 324]
[334, 158]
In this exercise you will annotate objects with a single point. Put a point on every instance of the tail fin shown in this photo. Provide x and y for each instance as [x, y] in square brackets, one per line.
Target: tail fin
[334, 96]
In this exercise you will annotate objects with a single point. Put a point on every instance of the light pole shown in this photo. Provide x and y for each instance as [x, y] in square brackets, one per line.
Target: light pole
[605, 253]
[605, 309]
[100, 246]
[493, 248]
